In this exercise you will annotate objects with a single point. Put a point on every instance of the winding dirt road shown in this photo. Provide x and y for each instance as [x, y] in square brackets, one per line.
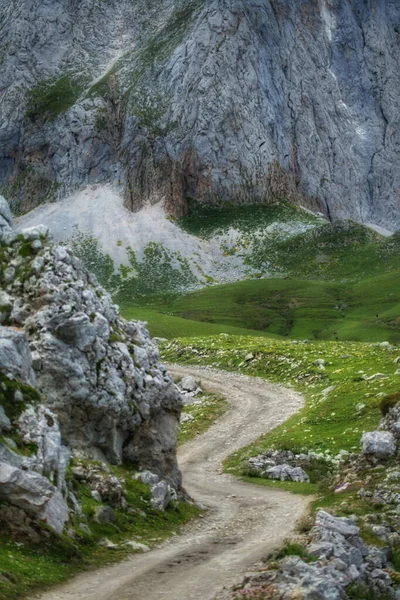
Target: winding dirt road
[244, 522]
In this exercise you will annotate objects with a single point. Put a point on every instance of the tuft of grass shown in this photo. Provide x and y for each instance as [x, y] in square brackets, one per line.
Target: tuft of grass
[53, 97]
[204, 415]
[293, 549]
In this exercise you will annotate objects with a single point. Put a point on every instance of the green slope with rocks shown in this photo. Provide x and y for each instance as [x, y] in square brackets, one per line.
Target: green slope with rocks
[306, 278]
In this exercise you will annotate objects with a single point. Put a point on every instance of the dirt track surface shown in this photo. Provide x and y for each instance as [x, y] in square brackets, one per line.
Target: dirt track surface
[244, 521]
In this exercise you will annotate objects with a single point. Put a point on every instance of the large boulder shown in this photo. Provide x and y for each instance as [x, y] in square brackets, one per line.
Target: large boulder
[100, 374]
[34, 494]
[379, 444]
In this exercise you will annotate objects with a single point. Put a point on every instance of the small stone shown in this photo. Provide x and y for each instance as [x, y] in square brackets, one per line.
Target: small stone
[60, 253]
[104, 515]
[108, 544]
[376, 376]
[79, 473]
[137, 546]
[36, 245]
[9, 275]
[37, 264]
[188, 384]
[186, 417]
[319, 362]
[147, 477]
[95, 495]
[18, 396]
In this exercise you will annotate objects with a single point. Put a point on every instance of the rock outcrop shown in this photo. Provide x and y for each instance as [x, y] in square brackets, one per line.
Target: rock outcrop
[75, 380]
[337, 558]
[221, 100]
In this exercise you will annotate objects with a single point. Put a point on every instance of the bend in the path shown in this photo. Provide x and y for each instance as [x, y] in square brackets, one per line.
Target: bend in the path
[244, 521]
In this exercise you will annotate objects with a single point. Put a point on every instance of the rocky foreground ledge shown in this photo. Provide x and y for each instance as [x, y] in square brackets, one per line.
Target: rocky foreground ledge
[76, 380]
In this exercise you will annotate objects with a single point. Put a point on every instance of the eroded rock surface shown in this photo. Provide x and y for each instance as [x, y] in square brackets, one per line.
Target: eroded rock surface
[226, 99]
[76, 380]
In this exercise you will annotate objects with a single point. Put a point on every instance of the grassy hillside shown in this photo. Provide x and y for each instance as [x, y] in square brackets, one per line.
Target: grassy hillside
[367, 310]
[294, 275]
[164, 325]
[342, 397]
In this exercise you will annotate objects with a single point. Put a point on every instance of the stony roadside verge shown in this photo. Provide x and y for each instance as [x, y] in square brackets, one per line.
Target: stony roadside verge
[341, 557]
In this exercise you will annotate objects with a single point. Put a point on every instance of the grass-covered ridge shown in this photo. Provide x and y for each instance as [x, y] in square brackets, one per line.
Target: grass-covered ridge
[207, 221]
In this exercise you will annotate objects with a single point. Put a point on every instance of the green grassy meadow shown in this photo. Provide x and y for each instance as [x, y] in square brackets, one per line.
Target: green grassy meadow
[366, 310]
[343, 398]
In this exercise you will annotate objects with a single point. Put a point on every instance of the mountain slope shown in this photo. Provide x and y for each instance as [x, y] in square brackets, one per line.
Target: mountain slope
[223, 100]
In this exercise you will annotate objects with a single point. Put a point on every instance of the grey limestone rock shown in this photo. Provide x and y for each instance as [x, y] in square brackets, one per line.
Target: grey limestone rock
[33, 493]
[245, 100]
[15, 356]
[161, 495]
[5, 423]
[5, 210]
[381, 444]
[147, 477]
[89, 383]
[287, 473]
[104, 515]
[188, 384]
[342, 559]
[40, 426]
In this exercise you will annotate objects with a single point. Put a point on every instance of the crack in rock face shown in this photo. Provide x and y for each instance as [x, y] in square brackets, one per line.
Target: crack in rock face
[230, 100]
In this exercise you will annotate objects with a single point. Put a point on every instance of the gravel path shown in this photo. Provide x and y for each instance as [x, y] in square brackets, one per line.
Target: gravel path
[244, 521]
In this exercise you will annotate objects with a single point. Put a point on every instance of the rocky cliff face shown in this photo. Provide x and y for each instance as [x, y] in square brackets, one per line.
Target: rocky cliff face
[217, 100]
[75, 379]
